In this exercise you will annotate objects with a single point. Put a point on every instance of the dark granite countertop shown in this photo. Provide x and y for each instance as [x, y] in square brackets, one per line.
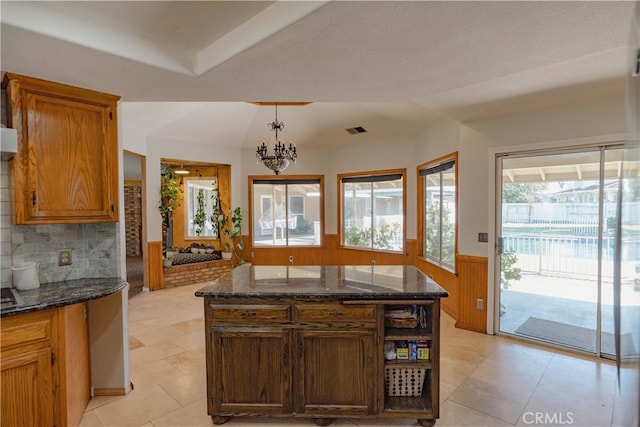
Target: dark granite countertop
[57, 294]
[377, 282]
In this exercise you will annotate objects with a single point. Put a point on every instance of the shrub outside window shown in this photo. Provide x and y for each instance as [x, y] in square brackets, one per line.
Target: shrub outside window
[373, 211]
[286, 212]
[440, 213]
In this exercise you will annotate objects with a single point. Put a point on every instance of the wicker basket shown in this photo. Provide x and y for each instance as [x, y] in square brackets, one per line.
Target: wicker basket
[404, 381]
[408, 323]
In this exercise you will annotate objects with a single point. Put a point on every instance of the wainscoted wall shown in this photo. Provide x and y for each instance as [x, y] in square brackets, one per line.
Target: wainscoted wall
[465, 288]
[154, 257]
[330, 253]
[472, 273]
[447, 280]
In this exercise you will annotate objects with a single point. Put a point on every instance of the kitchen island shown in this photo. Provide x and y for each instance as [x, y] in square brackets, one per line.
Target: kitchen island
[322, 342]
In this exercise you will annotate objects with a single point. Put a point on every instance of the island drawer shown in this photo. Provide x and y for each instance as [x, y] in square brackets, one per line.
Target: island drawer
[250, 313]
[335, 312]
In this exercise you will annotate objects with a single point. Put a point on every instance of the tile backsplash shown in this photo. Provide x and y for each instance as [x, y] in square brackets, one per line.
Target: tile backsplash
[94, 248]
[5, 226]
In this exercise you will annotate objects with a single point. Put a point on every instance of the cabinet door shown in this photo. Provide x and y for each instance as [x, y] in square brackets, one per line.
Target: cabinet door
[27, 389]
[251, 367]
[66, 169]
[77, 362]
[336, 372]
[70, 159]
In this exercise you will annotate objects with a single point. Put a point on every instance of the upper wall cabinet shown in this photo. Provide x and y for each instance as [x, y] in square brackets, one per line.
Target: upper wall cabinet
[66, 168]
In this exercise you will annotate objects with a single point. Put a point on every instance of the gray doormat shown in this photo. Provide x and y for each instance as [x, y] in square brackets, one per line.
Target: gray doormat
[574, 336]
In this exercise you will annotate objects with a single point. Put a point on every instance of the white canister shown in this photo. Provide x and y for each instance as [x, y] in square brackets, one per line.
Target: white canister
[25, 276]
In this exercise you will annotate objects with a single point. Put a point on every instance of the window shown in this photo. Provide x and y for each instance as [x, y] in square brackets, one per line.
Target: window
[199, 200]
[439, 211]
[286, 211]
[373, 210]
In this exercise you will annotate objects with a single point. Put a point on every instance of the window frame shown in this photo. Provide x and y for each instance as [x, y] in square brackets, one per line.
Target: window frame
[452, 157]
[190, 202]
[285, 180]
[365, 174]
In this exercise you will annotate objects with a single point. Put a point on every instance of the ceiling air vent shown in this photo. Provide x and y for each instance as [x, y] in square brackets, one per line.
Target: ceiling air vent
[355, 130]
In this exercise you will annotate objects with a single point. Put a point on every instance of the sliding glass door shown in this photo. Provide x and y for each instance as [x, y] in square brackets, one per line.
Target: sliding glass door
[555, 249]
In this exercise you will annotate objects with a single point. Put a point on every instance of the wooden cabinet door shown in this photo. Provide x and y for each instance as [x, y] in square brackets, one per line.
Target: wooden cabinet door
[66, 168]
[251, 367]
[336, 372]
[27, 389]
[77, 362]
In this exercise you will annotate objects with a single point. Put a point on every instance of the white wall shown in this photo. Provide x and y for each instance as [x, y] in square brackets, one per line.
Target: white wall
[158, 148]
[602, 116]
[331, 161]
[472, 140]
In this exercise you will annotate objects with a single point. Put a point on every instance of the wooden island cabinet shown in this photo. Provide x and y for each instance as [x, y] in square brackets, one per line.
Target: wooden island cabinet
[309, 342]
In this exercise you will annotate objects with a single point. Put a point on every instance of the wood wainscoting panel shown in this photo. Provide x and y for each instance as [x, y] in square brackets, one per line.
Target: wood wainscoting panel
[473, 271]
[155, 265]
[447, 280]
[330, 253]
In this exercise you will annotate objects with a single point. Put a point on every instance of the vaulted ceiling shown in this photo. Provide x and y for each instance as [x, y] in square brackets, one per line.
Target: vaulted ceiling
[186, 70]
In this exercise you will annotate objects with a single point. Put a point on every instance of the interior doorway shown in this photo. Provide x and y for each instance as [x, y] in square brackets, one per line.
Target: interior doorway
[555, 213]
[134, 200]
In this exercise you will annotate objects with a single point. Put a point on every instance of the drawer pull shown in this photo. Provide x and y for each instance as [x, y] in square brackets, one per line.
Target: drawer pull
[247, 314]
[336, 314]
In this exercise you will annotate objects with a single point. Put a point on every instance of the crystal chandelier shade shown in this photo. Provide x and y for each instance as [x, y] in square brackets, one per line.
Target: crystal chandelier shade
[277, 158]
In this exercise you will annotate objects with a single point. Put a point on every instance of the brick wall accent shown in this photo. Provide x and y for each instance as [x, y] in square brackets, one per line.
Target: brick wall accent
[133, 218]
[196, 272]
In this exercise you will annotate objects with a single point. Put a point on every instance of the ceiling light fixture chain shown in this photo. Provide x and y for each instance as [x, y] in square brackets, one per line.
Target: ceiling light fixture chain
[280, 156]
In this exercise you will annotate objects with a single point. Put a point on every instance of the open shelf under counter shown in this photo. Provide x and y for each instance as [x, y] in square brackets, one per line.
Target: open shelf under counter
[395, 334]
[409, 364]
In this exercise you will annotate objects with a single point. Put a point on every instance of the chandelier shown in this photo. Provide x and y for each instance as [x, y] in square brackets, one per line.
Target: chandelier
[278, 158]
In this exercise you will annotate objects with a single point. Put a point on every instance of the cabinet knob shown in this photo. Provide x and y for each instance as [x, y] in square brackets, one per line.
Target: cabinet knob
[248, 314]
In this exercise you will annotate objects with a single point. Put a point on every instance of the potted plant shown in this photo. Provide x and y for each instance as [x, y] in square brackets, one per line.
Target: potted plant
[226, 243]
[220, 222]
[170, 199]
[200, 216]
[236, 234]
[171, 252]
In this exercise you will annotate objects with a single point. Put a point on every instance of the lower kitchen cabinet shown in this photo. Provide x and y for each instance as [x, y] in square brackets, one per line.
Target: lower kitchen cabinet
[251, 369]
[336, 372]
[320, 360]
[44, 362]
[27, 359]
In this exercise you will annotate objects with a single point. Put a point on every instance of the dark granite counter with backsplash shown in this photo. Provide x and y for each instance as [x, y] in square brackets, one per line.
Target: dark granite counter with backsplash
[376, 282]
[57, 294]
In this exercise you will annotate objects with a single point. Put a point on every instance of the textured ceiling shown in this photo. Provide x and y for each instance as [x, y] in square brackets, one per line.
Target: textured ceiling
[390, 67]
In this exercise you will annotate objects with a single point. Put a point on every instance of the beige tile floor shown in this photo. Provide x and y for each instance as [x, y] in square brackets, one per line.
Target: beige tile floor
[485, 380]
